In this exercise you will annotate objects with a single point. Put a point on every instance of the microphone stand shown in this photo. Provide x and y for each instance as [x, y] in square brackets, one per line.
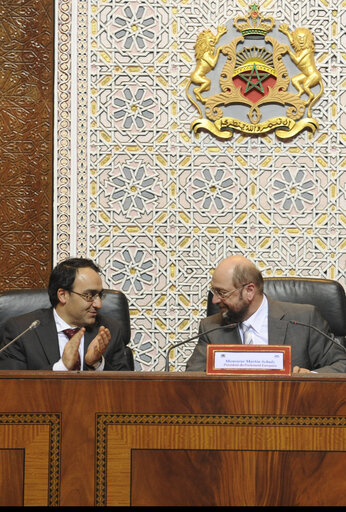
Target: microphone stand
[295, 322]
[232, 326]
[32, 326]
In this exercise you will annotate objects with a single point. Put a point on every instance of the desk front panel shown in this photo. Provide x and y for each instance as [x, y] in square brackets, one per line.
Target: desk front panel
[157, 439]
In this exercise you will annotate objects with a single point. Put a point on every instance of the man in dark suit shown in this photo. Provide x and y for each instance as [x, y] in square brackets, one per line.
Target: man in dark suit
[75, 292]
[237, 287]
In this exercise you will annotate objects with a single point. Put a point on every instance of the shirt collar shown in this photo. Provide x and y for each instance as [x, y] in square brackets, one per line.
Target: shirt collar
[60, 323]
[255, 321]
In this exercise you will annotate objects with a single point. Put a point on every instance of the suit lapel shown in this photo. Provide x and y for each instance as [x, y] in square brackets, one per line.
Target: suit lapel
[48, 336]
[88, 337]
[226, 336]
[235, 338]
[276, 326]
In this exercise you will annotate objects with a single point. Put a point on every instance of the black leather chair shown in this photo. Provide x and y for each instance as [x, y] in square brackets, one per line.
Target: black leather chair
[327, 295]
[17, 302]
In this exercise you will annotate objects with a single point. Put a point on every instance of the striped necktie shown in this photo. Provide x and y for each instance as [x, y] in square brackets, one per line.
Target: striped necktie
[247, 334]
[69, 333]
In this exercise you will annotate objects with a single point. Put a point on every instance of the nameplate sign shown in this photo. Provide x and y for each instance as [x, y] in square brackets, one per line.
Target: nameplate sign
[249, 359]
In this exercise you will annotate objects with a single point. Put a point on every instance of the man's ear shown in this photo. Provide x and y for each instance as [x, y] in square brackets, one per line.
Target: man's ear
[62, 295]
[250, 290]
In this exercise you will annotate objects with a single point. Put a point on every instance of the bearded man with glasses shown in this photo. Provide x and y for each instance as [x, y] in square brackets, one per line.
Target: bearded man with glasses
[72, 334]
[254, 318]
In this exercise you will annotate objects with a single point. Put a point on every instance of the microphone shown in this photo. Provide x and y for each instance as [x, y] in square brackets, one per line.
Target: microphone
[225, 316]
[32, 326]
[331, 338]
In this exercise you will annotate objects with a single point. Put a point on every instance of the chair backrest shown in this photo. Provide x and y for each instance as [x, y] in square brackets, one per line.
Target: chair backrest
[17, 302]
[327, 295]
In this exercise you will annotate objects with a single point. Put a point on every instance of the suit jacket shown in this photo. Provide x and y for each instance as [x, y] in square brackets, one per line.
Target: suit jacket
[39, 348]
[310, 349]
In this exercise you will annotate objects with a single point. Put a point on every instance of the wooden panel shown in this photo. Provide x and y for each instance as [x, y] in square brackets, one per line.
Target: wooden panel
[237, 478]
[40, 443]
[11, 478]
[26, 142]
[104, 439]
[185, 433]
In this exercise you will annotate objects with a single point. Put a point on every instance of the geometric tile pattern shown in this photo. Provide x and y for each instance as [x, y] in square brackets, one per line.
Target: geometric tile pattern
[158, 206]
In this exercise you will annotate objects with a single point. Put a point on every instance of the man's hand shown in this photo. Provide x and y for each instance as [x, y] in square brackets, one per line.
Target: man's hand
[70, 354]
[298, 369]
[98, 346]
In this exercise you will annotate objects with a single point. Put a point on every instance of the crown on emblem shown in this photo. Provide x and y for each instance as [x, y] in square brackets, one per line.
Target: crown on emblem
[254, 23]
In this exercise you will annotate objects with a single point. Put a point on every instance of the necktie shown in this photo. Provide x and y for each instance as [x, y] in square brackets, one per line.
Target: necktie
[69, 333]
[247, 334]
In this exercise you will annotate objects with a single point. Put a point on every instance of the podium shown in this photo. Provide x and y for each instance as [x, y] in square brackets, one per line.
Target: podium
[171, 439]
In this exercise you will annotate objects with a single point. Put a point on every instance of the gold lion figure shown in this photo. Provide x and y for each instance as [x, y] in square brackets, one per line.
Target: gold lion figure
[206, 60]
[302, 41]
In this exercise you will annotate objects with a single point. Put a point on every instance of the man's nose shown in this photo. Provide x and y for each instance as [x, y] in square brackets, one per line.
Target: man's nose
[216, 299]
[97, 302]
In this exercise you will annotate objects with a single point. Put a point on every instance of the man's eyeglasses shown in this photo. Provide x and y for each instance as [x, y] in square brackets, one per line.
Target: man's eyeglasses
[90, 297]
[223, 294]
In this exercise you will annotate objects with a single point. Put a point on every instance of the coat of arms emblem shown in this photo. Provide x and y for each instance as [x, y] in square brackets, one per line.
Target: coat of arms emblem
[259, 75]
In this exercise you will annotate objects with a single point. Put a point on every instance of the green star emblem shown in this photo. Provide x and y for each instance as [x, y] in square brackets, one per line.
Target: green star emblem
[258, 75]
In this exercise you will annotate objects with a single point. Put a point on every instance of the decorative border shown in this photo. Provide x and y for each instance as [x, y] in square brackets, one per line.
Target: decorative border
[62, 150]
[81, 244]
[71, 131]
[249, 420]
[54, 422]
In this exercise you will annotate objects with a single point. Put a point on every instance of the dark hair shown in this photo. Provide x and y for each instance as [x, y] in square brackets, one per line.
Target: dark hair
[248, 273]
[64, 274]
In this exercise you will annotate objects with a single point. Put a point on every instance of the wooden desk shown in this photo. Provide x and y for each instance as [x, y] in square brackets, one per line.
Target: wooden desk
[145, 438]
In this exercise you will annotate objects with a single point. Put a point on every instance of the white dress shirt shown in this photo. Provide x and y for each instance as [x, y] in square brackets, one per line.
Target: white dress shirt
[258, 324]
